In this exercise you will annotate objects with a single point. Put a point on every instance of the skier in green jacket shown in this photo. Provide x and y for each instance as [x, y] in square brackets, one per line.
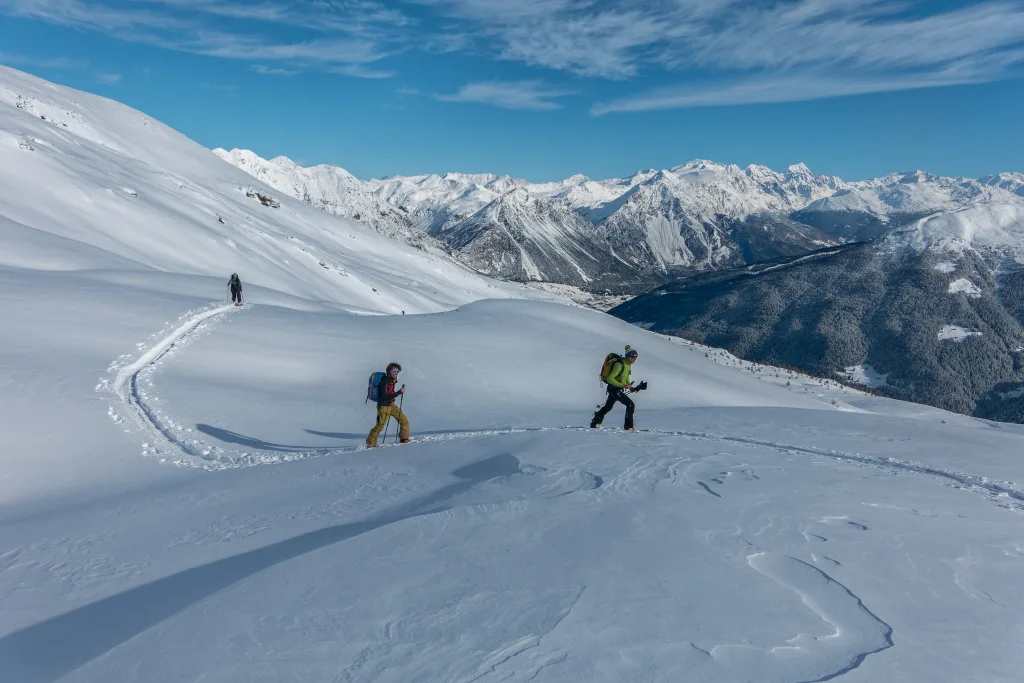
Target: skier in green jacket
[618, 384]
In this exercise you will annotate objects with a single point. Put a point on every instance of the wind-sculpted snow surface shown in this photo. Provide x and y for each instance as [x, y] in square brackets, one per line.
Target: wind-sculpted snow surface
[751, 533]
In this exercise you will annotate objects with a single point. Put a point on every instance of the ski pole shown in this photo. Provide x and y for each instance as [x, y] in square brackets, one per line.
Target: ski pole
[386, 425]
[400, 402]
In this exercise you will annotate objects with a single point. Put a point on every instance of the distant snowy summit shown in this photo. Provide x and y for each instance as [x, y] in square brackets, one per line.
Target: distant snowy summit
[626, 234]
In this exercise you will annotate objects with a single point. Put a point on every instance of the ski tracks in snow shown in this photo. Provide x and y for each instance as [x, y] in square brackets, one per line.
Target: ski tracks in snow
[857, 632]
[172, 442]
[164, 439]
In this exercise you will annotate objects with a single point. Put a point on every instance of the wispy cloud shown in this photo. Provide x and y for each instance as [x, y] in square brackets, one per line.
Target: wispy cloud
[777, 89]
[342, 36]
[360, 71]
[716, 51]
[532, 95]
[45, 62]
[728, 51]
[265, 70]
[607, 39]
[227, 89]
[108, 78]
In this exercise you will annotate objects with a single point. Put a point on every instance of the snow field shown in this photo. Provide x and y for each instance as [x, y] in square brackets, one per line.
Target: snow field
[767, 527]
[757, 534]
[957, 333]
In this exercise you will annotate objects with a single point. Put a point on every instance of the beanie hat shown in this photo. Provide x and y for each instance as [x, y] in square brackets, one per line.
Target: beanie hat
[630, 351]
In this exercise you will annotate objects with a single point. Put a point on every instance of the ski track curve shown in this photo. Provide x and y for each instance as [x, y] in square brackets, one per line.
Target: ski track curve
[126, 383]
[190, 452]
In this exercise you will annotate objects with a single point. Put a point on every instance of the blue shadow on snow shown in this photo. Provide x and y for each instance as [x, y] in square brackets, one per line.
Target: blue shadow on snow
[49, 650]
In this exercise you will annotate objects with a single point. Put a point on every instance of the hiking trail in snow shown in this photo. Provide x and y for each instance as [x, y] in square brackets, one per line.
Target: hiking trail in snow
[164, 432]
[173, 442]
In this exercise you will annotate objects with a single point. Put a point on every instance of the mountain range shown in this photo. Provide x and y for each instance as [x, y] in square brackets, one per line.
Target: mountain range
[626, 235]
[932, 312]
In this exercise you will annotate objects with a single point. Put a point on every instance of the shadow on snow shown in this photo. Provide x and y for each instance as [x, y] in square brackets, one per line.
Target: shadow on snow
[228, 436]
[46, 651]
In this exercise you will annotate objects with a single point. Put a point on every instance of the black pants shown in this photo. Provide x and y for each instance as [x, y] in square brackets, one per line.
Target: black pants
[615, 394]
[236, 295]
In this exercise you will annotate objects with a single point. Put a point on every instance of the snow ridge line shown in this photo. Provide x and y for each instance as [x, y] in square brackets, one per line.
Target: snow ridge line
[126, 382]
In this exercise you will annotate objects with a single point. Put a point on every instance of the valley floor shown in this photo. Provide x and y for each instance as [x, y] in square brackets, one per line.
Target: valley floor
[185, 498]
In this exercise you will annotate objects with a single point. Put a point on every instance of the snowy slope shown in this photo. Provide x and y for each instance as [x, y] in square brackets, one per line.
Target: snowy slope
[81, 171]
[995, 230]
[434, 202]
[521, 237]
[757, 534]
[333, 190]
[693, 216]
[868, 209]
[184, 495]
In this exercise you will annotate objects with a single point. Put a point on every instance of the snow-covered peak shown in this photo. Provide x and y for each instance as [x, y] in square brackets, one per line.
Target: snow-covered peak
[918, 176]
[992, 229]
[518, 195]
[698, 165]
[284, 162]
[1011, 182]
[470, 178]
[913, 194]
[762, 173]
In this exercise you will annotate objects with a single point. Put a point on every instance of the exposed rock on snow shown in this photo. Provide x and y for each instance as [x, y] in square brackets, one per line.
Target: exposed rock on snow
[264, 199]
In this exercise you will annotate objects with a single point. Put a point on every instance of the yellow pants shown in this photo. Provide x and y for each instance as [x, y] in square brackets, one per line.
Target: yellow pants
[385, 413]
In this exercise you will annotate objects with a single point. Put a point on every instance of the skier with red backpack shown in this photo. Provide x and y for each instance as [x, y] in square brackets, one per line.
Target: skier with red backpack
[382, 390]
[615, 373]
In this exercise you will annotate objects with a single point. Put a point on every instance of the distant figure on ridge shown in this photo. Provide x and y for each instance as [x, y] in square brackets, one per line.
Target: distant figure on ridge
[615, 372]
[236, 289]
[382, 390]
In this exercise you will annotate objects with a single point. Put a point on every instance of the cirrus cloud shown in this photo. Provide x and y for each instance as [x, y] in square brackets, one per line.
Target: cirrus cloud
[532, 95]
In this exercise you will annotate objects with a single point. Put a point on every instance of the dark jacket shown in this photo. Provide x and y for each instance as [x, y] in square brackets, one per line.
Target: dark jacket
[235, 283]
[386, 392]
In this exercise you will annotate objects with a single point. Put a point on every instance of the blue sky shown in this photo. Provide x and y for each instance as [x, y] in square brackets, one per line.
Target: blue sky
[543, 89]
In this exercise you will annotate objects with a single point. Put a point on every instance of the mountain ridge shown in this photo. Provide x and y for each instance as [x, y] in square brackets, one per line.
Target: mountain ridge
[661, 223]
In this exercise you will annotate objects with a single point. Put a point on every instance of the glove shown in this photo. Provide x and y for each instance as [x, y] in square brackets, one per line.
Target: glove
[640, 387]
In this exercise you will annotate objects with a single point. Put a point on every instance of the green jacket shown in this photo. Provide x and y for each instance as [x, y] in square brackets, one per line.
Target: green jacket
[619, 375]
